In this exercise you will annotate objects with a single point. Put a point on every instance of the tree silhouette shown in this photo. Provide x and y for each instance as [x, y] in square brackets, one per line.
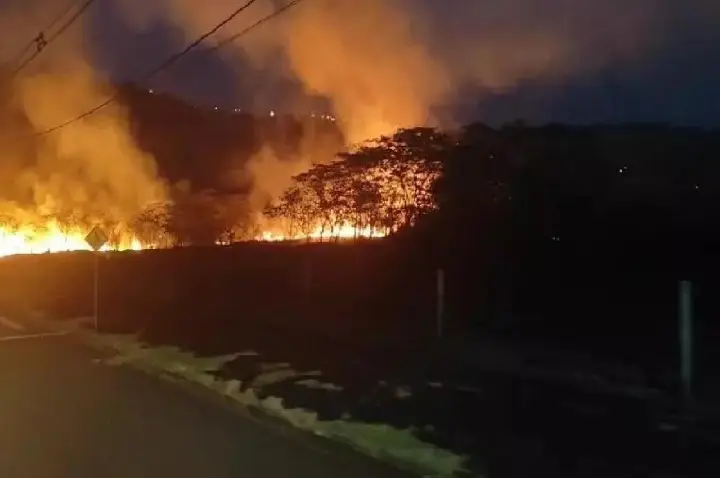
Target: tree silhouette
[151, 226]
[383, 185]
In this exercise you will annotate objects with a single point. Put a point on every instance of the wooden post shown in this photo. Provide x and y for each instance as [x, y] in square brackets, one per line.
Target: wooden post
[96, 290]
[440, 302]
[685, 324]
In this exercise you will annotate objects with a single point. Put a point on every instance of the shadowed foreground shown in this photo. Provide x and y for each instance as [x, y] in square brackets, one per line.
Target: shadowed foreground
[62, 414]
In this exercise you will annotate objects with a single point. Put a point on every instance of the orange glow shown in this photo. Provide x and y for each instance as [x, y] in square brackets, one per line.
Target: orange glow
[53, 238]
[318, 234]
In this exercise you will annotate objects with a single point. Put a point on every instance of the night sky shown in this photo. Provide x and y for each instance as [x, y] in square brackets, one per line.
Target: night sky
[676, 82]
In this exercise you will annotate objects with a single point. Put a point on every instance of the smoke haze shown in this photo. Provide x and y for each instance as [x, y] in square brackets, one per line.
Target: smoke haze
[386, 64]
[92, 168]
[380, 65]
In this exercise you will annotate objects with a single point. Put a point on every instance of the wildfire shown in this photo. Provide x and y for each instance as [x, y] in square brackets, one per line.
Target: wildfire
[51, 237]
[319, 234]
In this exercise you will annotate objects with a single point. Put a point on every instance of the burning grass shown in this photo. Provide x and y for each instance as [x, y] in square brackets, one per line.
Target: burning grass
[370, 191]
[52, 237]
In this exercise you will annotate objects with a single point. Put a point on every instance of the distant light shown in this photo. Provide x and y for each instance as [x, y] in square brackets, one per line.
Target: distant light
[216, 108]
[556, 238]
[151, 91]
[622, 169]
[697, 187]
[312, 115]
[272, 113]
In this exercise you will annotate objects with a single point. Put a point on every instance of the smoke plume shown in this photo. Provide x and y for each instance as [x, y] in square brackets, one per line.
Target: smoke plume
[91, 168]
[386, 64]
[380, 64]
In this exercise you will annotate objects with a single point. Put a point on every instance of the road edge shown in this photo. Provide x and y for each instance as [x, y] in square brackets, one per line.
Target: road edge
[218, 392]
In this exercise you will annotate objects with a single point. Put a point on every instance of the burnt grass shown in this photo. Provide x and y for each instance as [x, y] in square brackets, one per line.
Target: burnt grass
[385, 369]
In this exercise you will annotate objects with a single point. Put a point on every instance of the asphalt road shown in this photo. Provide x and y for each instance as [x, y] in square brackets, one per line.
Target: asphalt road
[64, 414]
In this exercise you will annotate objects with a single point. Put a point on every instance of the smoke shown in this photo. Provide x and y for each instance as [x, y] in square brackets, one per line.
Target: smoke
[380, 64]
[387, 64]
[91, 168]
[94, 164]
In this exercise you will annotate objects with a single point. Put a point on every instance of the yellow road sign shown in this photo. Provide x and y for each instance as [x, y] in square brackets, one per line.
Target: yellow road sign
[96, 238]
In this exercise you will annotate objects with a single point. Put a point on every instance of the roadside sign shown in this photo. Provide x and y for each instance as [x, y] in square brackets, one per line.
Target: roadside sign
[96, 238]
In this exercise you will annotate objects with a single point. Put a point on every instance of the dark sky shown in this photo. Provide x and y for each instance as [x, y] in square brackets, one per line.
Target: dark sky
[677, 82]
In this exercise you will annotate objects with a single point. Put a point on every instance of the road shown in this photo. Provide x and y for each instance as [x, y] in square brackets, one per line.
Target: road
[65, 415]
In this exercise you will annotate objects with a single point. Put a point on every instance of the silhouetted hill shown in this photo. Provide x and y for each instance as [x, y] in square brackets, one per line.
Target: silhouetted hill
[202, 145]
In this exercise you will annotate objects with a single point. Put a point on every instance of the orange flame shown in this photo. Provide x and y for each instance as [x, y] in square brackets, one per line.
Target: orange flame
[51, 237]
[319, 234]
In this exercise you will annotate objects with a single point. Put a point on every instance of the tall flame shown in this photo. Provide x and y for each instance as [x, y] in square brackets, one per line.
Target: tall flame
[51, 237]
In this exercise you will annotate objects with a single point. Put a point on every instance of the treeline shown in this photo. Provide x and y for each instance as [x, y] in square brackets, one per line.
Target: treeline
[536, 185]
[512, 192]
[382, 186]
[575, 231]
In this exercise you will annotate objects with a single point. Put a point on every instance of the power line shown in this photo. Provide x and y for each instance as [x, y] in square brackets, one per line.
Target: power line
[35, 41]
[41, 41]
[263, 20]
[177, 56]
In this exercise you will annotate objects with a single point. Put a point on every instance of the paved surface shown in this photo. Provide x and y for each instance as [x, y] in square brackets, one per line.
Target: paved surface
[12, 330]
[62, 414]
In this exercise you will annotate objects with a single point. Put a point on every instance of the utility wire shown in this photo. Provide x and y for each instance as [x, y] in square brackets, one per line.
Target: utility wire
[42, 41]
[170, 61]
[258, 23]
[37, 40]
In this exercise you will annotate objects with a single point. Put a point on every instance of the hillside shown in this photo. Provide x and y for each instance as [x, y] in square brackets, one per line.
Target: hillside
[202, 145]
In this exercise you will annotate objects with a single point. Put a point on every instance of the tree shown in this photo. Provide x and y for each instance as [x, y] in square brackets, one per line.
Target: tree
[385, 184]
[151, 226]
[405, 167]
[71, 222]
[298, 206]
[196, 218]
[234, 220]
[478, 181]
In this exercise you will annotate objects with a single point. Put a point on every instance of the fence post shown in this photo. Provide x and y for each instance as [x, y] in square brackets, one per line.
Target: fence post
[440, 302]
[686, 339]
[96, 290]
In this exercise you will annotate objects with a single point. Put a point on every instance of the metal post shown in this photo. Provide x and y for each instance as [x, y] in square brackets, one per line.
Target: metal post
[686, 339]
[440, 304]
[96, 289]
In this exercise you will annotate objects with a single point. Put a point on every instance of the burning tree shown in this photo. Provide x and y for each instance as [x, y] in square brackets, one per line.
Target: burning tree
[194, 218]
[373, 190]
[151, 225]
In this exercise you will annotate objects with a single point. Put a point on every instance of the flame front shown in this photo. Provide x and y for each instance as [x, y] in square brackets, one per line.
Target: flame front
[319, 234]
[51, 237]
